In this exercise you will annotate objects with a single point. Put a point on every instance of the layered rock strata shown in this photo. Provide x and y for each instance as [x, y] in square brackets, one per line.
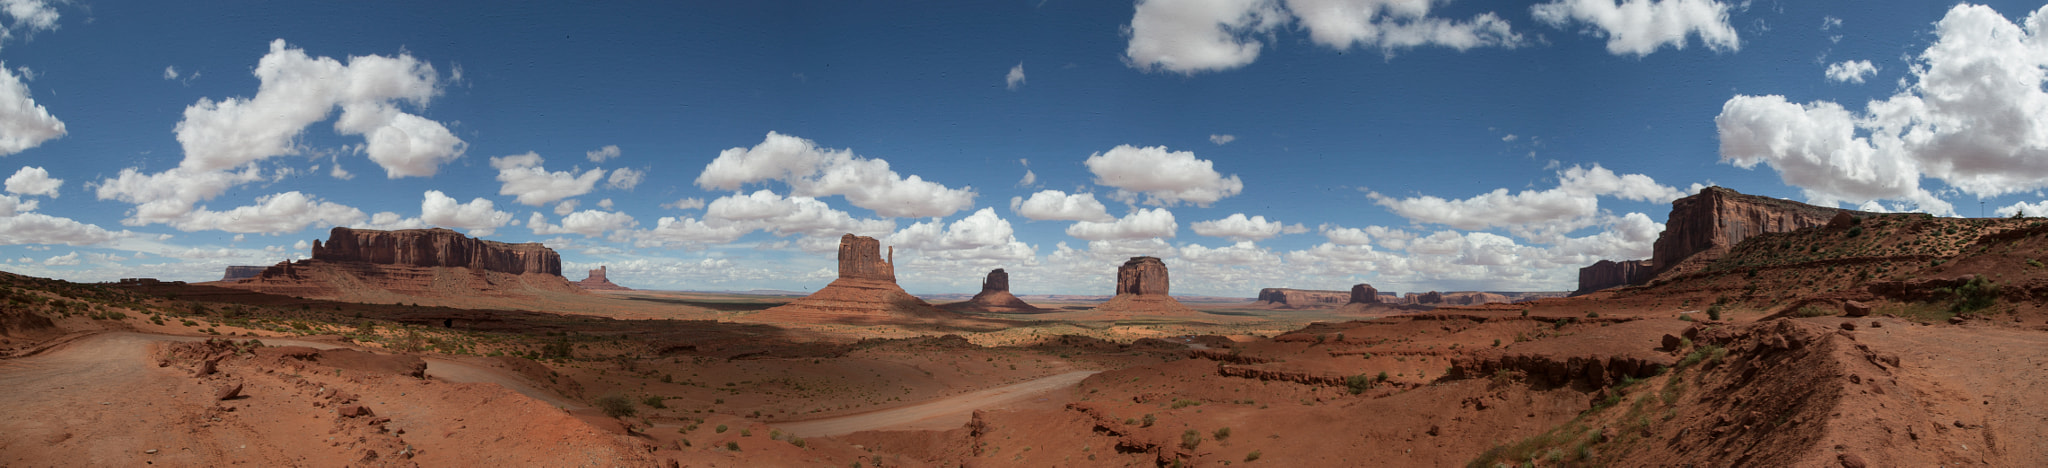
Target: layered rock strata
[1703, 227]
[1141, 289]
[865, 293]
[1608, 273]
[363, 265]
[994, 297]
[598, 282]
[1284, 298]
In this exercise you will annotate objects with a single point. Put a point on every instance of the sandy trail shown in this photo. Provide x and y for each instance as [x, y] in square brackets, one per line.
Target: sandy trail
[938, 414]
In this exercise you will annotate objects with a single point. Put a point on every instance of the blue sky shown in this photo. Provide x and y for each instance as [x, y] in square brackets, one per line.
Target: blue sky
[725, 145]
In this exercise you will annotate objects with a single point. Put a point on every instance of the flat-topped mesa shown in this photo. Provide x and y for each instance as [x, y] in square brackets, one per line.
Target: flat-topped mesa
[1608, 273]
[236, 272]
[435, 248]
[1704, 226]
[997, 281]
[1301, 298]
[1362, 293]
[1142, 275]
[860, 257]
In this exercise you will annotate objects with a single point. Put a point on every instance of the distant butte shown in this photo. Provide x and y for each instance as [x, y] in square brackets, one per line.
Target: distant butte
[994, 297]
[1141, 289]
[865, 293]
[1701, 229]
[598, 282]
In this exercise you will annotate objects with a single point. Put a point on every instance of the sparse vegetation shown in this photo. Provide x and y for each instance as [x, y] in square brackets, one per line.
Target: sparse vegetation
[614, 405]
[1191, 439]
[1359, 383]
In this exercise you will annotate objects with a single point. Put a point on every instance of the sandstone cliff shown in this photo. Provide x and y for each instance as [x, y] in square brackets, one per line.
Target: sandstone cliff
[1608, 273]
[1284, 298]
[435, 248]
[865, 294]
[235, 273]
[1141, 289]
[417, 266]
[994, 297]
[1704, 226]
[598, 282]
[1362, 293]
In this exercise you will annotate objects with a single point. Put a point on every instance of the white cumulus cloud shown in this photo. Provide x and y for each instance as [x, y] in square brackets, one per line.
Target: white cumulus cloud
[480, 217]
[1852, 71]
[1140, 224]
[524, 177]
[272, 214]
[1975, 117]
[23, 123]
[1164, 177]
[1639, 27]
[1396, 24]
[625, 178]
[1534, 214]
[1190, 36]
[1222, 139]
[1237, 227]
[1054, 205]
[979, 236]
[33, 181]
[601, 154]
[1015, 79]
[812, 171]
[589, 223]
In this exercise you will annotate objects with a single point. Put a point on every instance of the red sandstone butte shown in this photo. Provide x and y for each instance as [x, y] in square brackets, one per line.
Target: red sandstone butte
[994, 297]
[865, 293]
[1141, 289]
[597, 282]
[363, 265]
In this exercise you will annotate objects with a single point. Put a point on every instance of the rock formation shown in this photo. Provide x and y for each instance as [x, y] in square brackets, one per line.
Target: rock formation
[994, 297]
[1703, 227]
[435, 248]
[1141, 289]
[1608, 273]
[434, 265]
[1362, 293]
[865, 293]
[1473, 298]
[236, 272]
[597, 282]
[1284, 298]
[1428, 298]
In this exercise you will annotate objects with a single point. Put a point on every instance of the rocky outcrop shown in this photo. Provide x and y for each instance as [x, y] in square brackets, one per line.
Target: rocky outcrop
[860, 257]
[994, 297]
[598, 282]
[1141, 289]
[1362, 293]
[1704, 226]
[237, 273]
[435, 248]
[414, 266]
[1608, 273]
[865, 294]
[1285, 298]
[1428, 298]
[1142, 275]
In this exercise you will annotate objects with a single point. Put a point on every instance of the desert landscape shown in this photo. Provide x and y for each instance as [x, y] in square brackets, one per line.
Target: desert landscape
[1764, 333]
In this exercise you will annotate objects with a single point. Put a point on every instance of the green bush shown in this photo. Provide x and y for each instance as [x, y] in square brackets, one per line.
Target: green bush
[1358, 383]
[655, 402]
[720, 429]
[1975, 295]
[614, 405]
[1191, 439]
[1149, 419]
[1714, 313]
[1254, 456]
[1221, 433]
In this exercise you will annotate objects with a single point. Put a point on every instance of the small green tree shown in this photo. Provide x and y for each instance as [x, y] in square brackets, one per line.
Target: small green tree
[614, 405]
[1358, 383]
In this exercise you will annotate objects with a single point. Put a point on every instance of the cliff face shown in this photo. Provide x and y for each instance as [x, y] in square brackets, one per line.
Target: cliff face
[242, 272]
[1608, 273]
[860, 257]
[1704, 226]
[997, 281]
[1299, 298]
[435, 248]
[1141, 275]
[1362, 293]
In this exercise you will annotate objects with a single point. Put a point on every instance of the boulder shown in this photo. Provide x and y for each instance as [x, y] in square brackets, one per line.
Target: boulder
[1672, 342]
[1855, 309]
[1704, 226]
[230, 391]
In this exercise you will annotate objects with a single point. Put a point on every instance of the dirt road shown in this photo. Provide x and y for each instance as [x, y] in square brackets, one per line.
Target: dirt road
[943, 413]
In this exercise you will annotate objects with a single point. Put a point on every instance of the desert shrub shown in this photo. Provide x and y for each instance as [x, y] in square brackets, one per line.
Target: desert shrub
[655, 402]
[1855, 231]
[720, 429]
[1812, 311]
[1975, 295]
[733, 446]
[1191, 439]
[2034, 263]
[797, 441]
[1179, 403]
[614, 405]
[746, 432]
[1221, 433]
[1254, 456]
[1592, 314]
[1714, 312]
[1358, 383]
[1149, 419]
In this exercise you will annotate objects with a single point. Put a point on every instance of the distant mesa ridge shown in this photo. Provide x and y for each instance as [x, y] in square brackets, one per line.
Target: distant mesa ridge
[1288, 298]
[366, 265]
[1703, 227]
[242, 272]
[435, 248]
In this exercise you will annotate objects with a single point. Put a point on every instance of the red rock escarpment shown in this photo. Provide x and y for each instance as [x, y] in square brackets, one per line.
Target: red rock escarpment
[1703, 227]
[598, 282]
[435, 248]
[238, 272]
[1608, 273]
[1141, 289]
[1302, 298]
